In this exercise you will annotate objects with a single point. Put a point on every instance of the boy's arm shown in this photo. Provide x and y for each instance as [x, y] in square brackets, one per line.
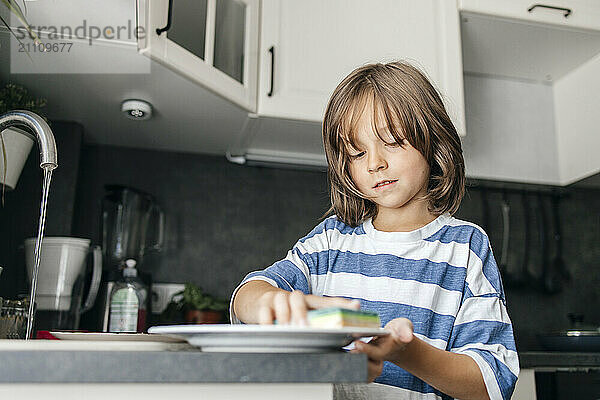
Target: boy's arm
[456, 375]
[246, 299]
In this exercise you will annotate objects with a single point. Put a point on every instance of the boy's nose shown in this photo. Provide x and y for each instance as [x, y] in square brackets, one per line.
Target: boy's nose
[376, 162]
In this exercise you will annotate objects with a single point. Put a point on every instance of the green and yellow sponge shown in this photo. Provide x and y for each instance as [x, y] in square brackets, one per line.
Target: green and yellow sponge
[341, 318]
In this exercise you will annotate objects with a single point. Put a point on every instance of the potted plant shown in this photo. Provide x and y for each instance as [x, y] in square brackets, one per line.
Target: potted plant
[14, 145]
[192, 305]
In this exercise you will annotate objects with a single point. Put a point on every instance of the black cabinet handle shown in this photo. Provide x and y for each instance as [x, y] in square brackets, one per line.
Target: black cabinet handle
[272, 51]
[567, 11]
[168, 25]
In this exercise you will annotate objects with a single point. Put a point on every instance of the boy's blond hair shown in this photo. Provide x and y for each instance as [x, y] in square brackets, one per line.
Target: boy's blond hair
[413, 110]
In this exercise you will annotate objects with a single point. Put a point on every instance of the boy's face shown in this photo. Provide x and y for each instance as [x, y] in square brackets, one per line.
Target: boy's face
[375, 161]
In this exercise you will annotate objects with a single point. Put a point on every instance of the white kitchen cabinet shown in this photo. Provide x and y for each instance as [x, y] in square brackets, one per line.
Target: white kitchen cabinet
[583, 14]
[530, 94]
[213, 42]
[307, 47]
[284, 80]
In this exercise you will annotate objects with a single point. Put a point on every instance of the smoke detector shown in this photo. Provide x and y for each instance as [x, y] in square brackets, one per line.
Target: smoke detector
[138, 110]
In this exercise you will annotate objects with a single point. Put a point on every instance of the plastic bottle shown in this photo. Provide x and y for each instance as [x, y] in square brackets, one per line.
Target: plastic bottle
[128, 302]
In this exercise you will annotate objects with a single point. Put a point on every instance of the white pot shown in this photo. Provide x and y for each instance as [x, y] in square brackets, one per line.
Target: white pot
[17, 147]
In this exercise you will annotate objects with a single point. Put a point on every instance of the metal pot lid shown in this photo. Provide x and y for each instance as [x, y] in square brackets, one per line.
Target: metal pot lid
[576, 333]
[578, 328]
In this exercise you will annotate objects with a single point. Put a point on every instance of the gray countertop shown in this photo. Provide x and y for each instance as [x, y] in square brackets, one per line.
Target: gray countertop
[53, 361]
[67, 366]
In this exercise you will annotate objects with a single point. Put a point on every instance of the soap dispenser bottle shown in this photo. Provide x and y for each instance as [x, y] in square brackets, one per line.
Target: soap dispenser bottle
[128, 302]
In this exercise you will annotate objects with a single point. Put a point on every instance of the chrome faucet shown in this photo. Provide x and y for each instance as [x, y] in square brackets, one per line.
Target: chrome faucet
[42, 134]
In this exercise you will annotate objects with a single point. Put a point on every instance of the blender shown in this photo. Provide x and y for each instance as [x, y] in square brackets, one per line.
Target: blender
[129, 217]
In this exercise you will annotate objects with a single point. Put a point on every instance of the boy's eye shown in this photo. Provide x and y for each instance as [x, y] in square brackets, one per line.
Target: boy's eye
[394, 143]
[355, 156]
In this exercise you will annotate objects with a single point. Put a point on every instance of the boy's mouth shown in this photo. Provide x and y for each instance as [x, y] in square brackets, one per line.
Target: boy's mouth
[384, 183]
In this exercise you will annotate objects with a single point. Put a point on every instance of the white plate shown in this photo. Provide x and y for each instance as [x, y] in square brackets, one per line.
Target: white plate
[115, 337]
[266, 338]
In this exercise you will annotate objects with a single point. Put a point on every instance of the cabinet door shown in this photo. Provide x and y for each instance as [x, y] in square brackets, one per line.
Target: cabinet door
[576, 105]
[568, 13]
[307, 47]
[212, 42]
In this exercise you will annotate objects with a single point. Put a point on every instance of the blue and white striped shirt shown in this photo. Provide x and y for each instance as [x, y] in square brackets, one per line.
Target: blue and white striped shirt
[443, 277]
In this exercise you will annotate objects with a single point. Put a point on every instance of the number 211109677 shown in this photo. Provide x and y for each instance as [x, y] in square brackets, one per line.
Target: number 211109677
[62, 47]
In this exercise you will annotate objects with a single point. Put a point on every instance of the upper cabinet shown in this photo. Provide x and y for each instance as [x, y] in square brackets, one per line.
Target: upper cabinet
[519, 79]
[531, 82]
[307, 47]
[281, 59]
[213, 42]
[579, 14]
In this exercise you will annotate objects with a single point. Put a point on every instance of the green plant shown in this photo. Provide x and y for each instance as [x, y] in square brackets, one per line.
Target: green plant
[192, 297]
[195, 299]
[16, 97]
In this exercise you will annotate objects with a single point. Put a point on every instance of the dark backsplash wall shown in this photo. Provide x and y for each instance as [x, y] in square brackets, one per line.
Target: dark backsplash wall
[224, 220]
[531, 309]
[20, 212]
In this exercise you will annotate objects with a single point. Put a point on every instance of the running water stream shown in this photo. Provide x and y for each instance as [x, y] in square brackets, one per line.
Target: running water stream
[38, 249]
[36, 127]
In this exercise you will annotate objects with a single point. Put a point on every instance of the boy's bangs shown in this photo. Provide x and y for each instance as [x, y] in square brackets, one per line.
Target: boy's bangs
[349, 121]
[391, 121]
[385, 121]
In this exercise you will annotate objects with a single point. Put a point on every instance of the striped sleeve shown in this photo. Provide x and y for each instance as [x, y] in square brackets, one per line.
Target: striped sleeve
[290, 273]
[482, 329]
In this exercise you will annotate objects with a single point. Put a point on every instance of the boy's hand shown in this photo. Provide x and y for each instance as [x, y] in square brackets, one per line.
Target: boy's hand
[291, 307]
[386, 348]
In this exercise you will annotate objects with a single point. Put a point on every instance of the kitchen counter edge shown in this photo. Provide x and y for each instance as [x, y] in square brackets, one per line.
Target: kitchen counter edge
[191, 366]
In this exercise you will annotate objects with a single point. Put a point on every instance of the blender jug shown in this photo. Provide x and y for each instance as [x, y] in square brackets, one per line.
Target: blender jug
[127, 215]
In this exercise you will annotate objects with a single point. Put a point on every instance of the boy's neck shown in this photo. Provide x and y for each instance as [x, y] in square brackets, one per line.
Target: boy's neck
[403, 219]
